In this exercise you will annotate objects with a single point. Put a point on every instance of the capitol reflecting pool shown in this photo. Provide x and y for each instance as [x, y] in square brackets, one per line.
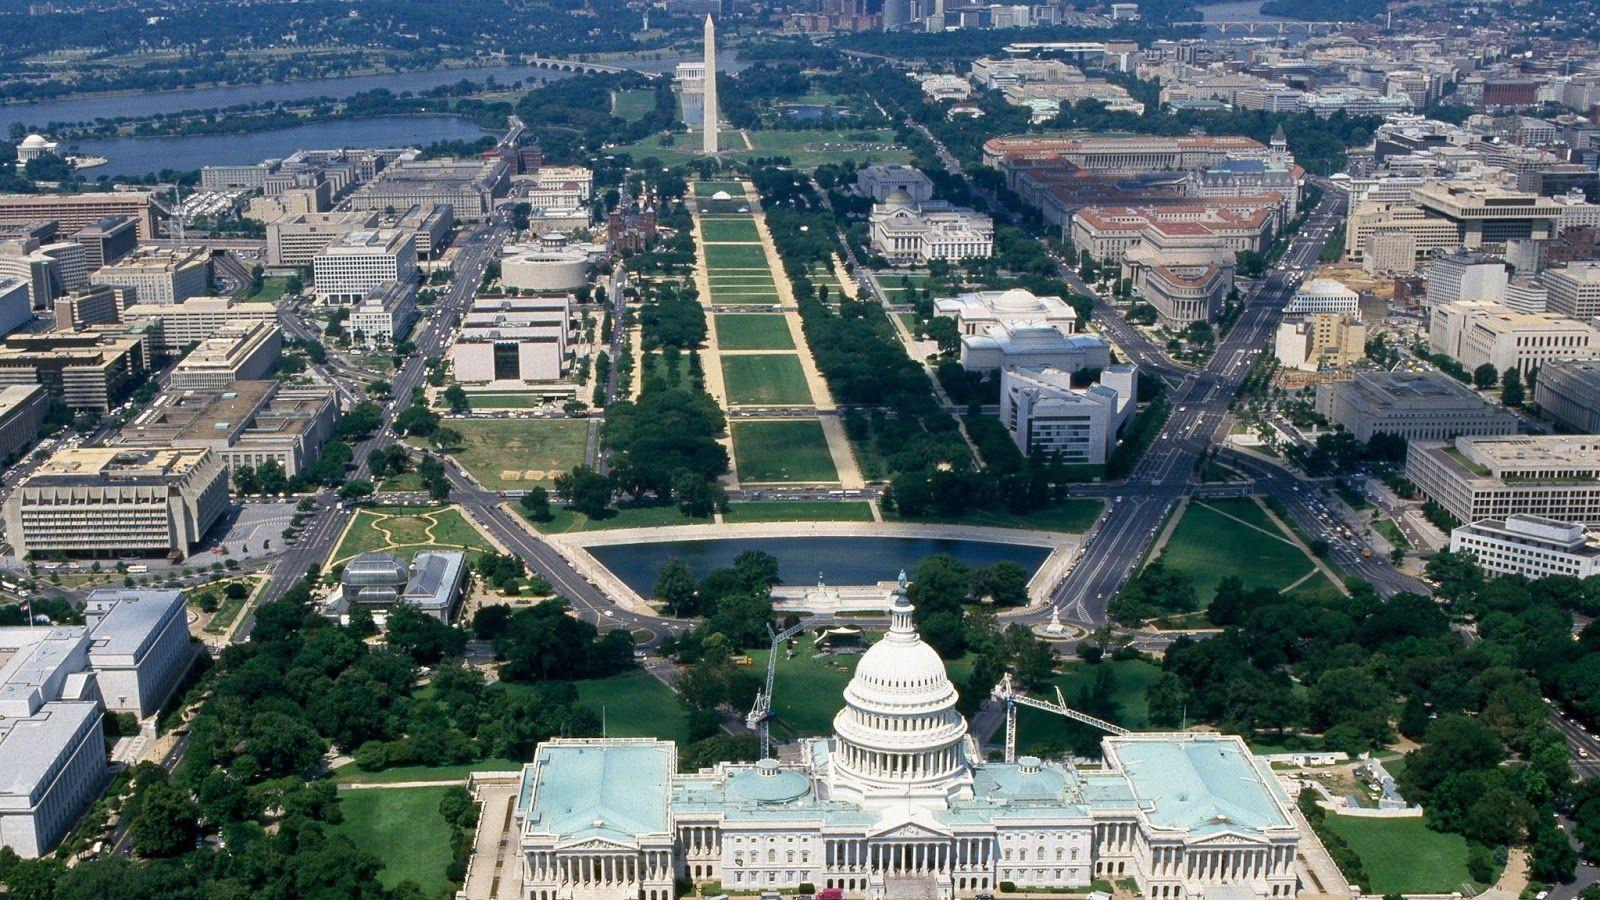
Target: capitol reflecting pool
[840, 560]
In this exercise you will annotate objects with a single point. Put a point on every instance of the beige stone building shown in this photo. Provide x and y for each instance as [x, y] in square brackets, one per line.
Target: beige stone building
[1414, 405]
[243, 352]
[1475, 332]
[1476, 478]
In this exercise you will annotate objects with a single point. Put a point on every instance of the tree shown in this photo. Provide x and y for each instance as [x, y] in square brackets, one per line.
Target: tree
[586, 490]
[675, 587]
[1485, 376]
[1511, 390]
[282, 744]
[356, 489]
[536, 502]
[698, 497]
[244, 480]
[456, 398]
[164, 820]
[424, 638]
[1005, 582]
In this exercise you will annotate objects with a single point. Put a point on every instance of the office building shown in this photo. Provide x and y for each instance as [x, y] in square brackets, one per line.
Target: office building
[1573, 290]
[50, 270]
[1417, 406]
[1237, 225]
[88, 370]
[240, 352]
[160, 276]
[1474, 332]
[879, 181]
[78, 310]
[468, 187]
[1527, 294]
[107, 239]
[1324, 295]
[357, 263]
[1568, 391]
[1123, 155]
[174, 329]
[1399, 234]
[226, 178]
[896, 796]
[513, 339]
[977, 311]
[1045, 414]
[50, 736]
[74, 211]
[293, 241]
[905, 231]
[1485, 215]
[429, 227]
[1465, 276]
[139, 646]
[110, 501]
[384, 316]
[246, 423]
[1476, 478]
[16, 305]
[1531, 546]
[22, 411]
[1320, 342]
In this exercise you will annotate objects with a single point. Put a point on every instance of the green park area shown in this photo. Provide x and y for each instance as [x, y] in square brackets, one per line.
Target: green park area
[634, 704]
[1219, 538]
[785, 451]
[1130, 681]
[1073, 516]
[505, 454]
[404, 829]
[799, 511]
[503, 401]
[1404, 855]
[631, 106]
[270, 290]
[753, 331]
[765, 378]
[564, 520]
[407, 530]
[710, 188]
[735, 256]
[805, 149]
[806, 687]
[729, 229]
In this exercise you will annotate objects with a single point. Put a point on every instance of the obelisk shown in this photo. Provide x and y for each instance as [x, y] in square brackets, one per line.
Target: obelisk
[708, 141]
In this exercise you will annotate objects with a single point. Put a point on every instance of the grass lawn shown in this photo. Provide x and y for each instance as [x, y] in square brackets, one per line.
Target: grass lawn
[805, 691]
[405, 481]
[636, 705]
[408, 529]
[766, 378]
[725, 229]
[631, 106]
[1133, 678]
[799, 511]
[708, 188]
[1391, 533]
[503, 401]
[735, 256]
[1218, 538]
[793, 450]
[807, 149]
[564, 519]
[1404, 855]
[272, 290]
[403, 828]
[753, 331]
[519, 453]
[350, 774]
[1067, 515]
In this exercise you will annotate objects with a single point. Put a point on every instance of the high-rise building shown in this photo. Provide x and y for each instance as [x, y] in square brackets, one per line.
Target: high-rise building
[1568, 390]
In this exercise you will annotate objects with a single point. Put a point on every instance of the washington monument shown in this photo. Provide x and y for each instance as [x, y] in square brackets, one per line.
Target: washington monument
[708, 140]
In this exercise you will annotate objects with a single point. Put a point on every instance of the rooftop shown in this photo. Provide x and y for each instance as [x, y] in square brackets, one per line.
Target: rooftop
[1200, 783]
[113, 466]
[616, 791]
[123, 623]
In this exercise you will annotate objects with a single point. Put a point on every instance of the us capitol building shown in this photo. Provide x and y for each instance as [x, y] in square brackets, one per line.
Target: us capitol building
[899, 803]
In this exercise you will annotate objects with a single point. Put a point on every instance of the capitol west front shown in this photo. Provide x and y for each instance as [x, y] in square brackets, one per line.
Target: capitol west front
[898, 803]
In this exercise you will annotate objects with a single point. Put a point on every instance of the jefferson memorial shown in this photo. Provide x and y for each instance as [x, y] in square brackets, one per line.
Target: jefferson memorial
[899, 803]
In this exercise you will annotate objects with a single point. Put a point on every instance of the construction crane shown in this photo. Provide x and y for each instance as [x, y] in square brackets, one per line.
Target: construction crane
[1011, 697]
[762, 709]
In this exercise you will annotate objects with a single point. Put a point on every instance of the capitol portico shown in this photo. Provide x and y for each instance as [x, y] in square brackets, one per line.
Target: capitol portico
[898, 803]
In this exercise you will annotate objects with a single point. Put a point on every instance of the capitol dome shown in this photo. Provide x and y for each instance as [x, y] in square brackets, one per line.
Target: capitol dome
[899, 738]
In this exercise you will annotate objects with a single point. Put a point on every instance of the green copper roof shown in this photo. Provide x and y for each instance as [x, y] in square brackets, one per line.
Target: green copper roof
[617, 792]
[1201, 783]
